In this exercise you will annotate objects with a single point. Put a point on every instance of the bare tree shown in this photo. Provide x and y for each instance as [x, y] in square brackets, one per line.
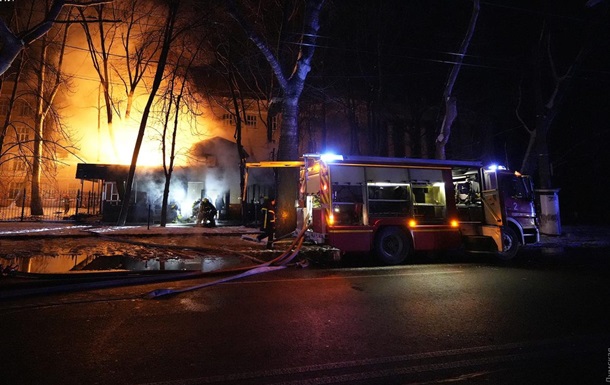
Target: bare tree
[15, 145]
[141, 43]
[46, 92]
[450, 102]
[246, 91]
[32, 134]
[13, 43]
[549, 100]
[168, 37]
[238, 111]
[100, 52]
[44, 64]
[8, 120]
[291, 84]
[177, 100]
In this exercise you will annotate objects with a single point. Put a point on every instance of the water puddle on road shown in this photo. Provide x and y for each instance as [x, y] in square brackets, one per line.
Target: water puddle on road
[88, 254]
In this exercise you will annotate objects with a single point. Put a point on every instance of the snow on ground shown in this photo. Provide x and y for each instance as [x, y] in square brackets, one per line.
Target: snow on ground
[38, 229]
[571, 235]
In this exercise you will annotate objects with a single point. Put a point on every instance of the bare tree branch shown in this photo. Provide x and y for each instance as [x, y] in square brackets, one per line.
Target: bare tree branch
[12, 44]
[260, 43]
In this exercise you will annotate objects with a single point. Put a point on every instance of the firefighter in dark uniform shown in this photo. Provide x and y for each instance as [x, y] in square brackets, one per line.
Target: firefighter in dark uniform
[207, 213]
[268, 226]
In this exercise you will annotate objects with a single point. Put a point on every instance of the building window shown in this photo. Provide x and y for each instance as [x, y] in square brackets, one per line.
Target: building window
[111, 192]
[22, 108]
[274, 123]
[228, 119]
[19, 165]
[15, 189]
[251, 120]
[23, 134]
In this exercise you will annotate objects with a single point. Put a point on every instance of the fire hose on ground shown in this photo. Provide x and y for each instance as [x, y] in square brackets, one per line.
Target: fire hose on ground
[278, 263]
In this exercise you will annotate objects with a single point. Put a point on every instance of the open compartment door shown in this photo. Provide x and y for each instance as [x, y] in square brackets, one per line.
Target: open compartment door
[494, 215]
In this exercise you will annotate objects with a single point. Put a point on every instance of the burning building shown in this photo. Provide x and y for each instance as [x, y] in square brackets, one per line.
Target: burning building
[98, 116]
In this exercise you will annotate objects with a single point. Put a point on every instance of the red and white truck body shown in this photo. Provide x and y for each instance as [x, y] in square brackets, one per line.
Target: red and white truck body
[393, 207]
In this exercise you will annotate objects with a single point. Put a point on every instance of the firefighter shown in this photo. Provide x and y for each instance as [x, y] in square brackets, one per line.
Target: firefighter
[206, 214]
[268, 226]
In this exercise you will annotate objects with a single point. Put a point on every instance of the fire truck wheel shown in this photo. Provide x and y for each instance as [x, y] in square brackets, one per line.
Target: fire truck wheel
[392, 245]
[511, 244]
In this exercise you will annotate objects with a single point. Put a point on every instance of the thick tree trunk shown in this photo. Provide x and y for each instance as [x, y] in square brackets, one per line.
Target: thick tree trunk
[287, 178]
[544, 162]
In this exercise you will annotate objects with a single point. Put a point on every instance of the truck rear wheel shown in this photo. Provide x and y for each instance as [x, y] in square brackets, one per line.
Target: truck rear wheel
[392, 245]
[510, 243]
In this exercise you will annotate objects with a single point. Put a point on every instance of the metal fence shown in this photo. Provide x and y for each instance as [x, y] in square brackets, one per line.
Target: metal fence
[57, 205]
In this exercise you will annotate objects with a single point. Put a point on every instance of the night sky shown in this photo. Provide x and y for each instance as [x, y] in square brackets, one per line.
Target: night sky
[408, 47]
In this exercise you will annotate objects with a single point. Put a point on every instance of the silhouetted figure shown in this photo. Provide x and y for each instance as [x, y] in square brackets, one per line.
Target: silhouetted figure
[268, 225]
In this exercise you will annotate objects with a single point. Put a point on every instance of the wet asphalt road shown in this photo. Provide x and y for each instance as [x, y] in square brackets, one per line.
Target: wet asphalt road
[540, 320]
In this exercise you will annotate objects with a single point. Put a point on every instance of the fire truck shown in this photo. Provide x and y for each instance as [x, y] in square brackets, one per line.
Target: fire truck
[395, 207]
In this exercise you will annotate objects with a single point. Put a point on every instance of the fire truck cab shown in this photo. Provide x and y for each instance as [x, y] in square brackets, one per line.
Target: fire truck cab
[394, 207]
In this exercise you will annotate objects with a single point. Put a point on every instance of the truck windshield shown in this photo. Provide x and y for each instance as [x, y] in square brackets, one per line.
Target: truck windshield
[515, 186]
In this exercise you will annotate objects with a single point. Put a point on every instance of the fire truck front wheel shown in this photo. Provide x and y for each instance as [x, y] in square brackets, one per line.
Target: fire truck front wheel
[511, 244]
[392, 245]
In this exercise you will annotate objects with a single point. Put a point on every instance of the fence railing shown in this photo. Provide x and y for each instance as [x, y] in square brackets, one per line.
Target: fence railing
[57, 205]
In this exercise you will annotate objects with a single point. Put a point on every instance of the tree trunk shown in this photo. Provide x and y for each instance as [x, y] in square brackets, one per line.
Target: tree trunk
[287, 178]
[292, 87]
[443, 137]
[241, 153]
[449, 99]
[546, 112]
[45, 94]
[167, 39]
[35, 199]
[542, 149]
[169, 170]
[354, 148]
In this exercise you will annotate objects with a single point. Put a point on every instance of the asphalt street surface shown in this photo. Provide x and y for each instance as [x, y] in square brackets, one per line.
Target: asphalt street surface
[453, 319]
